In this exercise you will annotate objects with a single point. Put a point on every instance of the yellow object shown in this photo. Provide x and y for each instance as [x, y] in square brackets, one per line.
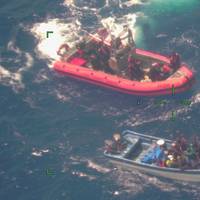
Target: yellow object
[170, 157]
[169, 163]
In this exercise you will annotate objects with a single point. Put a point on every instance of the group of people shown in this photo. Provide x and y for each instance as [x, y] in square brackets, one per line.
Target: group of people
[105, 58]
[101, 55]
[97, 53]
[181, 154]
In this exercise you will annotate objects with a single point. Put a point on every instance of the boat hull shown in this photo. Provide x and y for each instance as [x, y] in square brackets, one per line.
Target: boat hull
[181, 82]
[180, 176]
[122, 161]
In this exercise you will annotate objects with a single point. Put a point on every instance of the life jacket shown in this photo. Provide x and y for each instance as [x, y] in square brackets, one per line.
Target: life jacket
[166, 69]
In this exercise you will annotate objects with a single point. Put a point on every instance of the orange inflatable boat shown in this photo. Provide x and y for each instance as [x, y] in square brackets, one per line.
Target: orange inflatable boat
[78, 64]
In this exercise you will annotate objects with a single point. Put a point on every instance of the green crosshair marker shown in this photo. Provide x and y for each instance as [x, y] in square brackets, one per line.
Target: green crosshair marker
[173, 89]
[48, 32]
[49, 172]
[173, 116]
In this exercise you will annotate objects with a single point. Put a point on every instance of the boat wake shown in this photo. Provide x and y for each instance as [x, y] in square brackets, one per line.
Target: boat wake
[62, 32]
[71, 30]
[134, 183]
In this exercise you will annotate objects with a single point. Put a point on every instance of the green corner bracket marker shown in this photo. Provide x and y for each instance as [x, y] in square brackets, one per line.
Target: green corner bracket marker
[173, 116]
[173, 90]
[48, 32]
[49, 172]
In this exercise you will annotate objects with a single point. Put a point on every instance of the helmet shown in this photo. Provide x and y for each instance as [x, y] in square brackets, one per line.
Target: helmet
[170, 157]
[160, 142]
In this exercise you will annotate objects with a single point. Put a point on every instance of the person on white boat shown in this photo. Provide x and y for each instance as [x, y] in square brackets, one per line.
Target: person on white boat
[117, 142]
[116, 145]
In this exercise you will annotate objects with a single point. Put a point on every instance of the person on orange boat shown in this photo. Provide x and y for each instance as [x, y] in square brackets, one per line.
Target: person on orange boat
[156, 71]
[128, 34]
[63, 49]
[94, 60]
[134, 68]
[166, 71]
[131, 66]
[81, 46]
[175, 61]
[116, 44]
[104, 56]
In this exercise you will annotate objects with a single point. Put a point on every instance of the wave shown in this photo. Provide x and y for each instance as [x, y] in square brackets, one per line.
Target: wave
[14, 78]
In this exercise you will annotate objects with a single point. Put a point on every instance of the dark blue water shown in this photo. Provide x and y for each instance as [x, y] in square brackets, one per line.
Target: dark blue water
[53, 127]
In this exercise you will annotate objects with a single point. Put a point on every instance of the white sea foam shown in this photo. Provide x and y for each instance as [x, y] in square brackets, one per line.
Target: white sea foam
[68, 31]
[115, 25]
[63, 32]
[12, 79]
[98, 167]
[39, 152]
[15, 78]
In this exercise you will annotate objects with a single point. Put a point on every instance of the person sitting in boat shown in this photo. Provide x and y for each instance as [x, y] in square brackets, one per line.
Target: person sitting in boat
[117, 142]
[81, 46]
[166, 71]
[108, 146]
[155, 73]
[196, 145]
[182, 143]
[63, 49]
[116, 44]
[169, 161]
[157, 155]
[175, 150]
[175, 61]
[131, 66]
[134, 68]
[116, 145]
[138, 72]
[191, 154]
[104, 56]
[94, 60]
[160, 153]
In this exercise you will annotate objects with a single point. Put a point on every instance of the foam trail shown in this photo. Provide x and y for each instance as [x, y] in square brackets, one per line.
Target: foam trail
[62, 33]
[115, 27]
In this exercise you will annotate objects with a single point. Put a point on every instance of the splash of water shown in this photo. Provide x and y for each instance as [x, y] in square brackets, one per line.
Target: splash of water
[62, 33]
[15, 79]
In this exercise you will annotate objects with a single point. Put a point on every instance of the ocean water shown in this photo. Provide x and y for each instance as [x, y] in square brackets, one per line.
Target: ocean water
[53, 127]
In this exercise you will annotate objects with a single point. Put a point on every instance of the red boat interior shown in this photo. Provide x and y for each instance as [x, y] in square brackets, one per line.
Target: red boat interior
[87, 54]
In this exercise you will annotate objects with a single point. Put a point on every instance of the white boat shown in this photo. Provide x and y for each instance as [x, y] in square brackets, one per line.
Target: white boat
[137, 146]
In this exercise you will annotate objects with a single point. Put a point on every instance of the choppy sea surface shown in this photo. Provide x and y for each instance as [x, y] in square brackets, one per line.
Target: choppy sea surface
[53, 128]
